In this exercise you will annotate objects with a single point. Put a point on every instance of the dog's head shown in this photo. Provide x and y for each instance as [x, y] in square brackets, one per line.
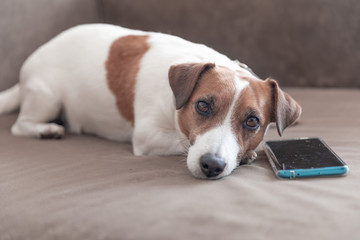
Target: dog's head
[225, 114]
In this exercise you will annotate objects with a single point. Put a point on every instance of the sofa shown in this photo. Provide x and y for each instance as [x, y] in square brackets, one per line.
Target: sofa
[84, 187]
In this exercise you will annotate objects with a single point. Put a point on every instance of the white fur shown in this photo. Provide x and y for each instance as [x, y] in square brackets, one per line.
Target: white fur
[67, 75]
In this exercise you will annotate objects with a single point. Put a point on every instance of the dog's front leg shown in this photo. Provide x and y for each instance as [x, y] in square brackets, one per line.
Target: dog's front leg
[158, 141]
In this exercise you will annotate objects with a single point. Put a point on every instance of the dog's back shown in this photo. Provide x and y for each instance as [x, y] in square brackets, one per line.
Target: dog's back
[164, 93]
[71, 69]
[76, 75]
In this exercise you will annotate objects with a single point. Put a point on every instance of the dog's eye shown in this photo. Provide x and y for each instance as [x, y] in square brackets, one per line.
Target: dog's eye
[251, 123]
[203, 108]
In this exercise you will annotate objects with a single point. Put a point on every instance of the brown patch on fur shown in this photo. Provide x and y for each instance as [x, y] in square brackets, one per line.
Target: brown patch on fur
[183, 78]
[285, 109]
[216, 86]
[254, 100]
[261, 99]
[122, 66]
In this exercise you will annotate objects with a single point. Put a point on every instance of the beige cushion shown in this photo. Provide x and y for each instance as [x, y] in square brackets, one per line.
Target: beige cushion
[83, 187]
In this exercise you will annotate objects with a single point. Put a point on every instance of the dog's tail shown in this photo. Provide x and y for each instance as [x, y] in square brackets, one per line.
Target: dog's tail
[10, 99]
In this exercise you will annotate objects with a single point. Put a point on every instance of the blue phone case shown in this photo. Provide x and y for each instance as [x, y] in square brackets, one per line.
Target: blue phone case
[301, 173]
[325, 171]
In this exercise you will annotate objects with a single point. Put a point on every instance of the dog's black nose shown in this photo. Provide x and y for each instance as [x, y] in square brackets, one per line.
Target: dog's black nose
[211, 165]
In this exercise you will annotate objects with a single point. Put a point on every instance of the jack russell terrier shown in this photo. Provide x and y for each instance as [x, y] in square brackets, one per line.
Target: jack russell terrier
[165, 94]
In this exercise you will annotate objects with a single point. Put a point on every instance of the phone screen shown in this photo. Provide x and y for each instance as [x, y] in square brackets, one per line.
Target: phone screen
[303, 154]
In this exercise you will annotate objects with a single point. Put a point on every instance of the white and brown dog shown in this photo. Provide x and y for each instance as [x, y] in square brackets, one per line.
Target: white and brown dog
[163, 93]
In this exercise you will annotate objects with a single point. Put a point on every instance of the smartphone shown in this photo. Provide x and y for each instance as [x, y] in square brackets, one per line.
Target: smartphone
[303, 157]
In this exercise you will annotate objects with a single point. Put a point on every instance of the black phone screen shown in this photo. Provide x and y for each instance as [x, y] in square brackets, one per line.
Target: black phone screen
[303, 154]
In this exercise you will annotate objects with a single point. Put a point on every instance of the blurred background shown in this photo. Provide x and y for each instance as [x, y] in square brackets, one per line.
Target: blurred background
[308, 43]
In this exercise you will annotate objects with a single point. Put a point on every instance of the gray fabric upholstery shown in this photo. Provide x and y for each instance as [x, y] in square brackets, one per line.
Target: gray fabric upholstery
[83, 187]
[26, 25]
[300, 43]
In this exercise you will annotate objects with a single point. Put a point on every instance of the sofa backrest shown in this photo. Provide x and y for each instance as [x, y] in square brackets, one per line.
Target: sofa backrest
[305, 43]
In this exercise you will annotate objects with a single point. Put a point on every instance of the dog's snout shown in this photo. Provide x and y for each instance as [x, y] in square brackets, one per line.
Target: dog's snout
[211, 165]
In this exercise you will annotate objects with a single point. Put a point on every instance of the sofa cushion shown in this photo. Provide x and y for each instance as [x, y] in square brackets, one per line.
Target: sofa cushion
[84, 187]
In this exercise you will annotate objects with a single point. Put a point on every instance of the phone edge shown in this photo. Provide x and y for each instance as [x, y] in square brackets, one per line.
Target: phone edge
[313, 172]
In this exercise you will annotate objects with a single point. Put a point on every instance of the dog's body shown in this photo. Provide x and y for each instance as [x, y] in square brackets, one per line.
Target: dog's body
[153, 89]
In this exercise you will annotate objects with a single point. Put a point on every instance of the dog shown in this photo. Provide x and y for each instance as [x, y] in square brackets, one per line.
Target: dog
[165, 94]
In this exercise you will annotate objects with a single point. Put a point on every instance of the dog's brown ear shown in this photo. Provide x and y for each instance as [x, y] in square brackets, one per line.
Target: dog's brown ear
[183, 78]
[285, 109]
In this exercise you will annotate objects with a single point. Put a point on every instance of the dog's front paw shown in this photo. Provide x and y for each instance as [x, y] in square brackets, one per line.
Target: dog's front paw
[249, 157]
[51, 131]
